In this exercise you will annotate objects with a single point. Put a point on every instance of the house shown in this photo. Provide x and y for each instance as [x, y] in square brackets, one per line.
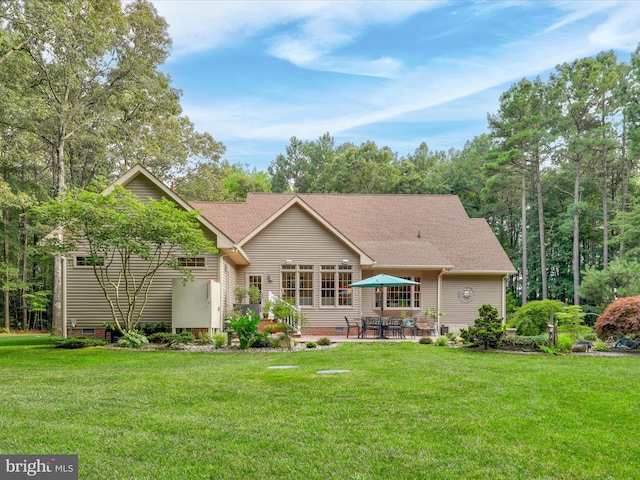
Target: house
[311, 247]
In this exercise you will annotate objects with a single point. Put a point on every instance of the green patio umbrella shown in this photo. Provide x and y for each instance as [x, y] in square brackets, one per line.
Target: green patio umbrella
[383, 280]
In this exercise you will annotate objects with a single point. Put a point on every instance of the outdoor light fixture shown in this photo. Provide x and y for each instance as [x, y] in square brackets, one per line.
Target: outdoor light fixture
[345, 261]
[269, 278]
[288, 262]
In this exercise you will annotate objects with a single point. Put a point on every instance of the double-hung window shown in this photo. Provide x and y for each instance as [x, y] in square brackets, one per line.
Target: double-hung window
[335, 290]
[407, 296]
[297, 284]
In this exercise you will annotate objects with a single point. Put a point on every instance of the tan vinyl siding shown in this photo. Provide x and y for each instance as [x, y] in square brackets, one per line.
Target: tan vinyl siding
[142, 187]
[297, 237]
[458, 314]
[86, 303]
[88, 308]
[229, 274]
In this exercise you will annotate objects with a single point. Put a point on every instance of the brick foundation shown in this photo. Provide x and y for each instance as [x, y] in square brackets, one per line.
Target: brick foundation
[320, 331]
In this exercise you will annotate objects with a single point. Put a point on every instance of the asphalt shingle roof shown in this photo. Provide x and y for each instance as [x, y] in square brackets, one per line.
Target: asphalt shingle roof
[395, 230]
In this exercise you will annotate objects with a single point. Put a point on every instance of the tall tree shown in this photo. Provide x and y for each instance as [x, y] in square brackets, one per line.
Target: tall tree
[82, 77]
[364, 169]
[303, 162]
[520, 130]
[577, 96]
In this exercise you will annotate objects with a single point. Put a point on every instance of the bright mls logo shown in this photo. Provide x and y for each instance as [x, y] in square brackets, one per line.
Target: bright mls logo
[56, 467]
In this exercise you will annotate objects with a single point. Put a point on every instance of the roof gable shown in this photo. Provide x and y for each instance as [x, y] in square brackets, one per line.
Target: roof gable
[143, 183]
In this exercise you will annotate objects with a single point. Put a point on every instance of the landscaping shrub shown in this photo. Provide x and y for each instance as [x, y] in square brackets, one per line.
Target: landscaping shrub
[150, 328]
[426, 341]
[601, 346]
[79, 342]
[203, 337]
[488, 328]
[565, 342]
[590, 337]
[548, 350]
[532, 319]
[245, 327]
[312, 344]
[324, 341]
[219, 340]
[261, 340]
[132, 339]
[621, 317]
[451, 337]
[173, 338]
[441, 342]
[524, 343]
[274, 327]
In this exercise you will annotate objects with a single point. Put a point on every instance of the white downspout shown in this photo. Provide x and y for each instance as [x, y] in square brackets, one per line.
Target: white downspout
[223, 285]
[439, 306]
[63, 271]
[504, 300]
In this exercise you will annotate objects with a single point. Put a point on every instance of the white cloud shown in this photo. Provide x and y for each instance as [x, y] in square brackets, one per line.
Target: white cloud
[430, 92]
[198, 26]
[621, 30]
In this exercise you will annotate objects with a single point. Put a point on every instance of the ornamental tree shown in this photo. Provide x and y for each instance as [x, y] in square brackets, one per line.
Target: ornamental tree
[532, 318]
[488, 328]
[621, 317]
[127, 240]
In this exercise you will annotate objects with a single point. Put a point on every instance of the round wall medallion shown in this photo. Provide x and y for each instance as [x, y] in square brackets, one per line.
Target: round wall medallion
[465, 294]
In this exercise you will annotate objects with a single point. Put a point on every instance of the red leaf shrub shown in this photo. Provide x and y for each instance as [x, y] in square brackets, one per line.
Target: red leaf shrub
[621, 317]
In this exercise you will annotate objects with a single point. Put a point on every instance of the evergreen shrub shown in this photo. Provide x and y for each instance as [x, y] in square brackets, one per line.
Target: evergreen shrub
[79, 342]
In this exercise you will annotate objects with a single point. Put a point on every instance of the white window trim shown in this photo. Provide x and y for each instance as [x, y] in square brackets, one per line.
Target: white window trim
[412, 296]
[336, 299]
[298, 271]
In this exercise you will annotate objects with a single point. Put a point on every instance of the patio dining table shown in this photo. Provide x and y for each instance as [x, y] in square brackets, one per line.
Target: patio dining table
[380, 326]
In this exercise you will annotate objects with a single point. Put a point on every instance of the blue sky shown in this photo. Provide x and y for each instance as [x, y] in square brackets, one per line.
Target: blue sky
[256, 73]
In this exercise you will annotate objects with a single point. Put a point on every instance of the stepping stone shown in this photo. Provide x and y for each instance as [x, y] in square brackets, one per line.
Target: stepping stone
[281, 367]
[331, 372]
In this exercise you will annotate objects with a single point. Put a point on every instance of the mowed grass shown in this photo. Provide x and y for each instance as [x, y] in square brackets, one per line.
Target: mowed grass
[404, 411]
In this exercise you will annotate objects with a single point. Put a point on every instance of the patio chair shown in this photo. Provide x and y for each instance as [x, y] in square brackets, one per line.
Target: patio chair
[352, 324]
[395, 327]
[370, 324]
[423, 327]
[409, 324]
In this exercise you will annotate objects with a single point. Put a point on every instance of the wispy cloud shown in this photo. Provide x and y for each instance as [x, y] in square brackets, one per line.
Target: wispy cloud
[319, 36]
[319, 26]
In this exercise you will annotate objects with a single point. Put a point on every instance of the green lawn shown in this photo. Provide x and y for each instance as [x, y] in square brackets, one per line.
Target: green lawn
[405, 411]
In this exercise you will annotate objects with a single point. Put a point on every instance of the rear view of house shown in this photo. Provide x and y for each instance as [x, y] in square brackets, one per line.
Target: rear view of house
[310, 247]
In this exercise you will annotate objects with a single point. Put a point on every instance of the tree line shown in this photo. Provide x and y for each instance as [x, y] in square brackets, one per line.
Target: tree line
[82, 100]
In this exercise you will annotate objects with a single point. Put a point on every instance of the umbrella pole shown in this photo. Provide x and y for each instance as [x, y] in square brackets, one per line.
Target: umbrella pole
[382, 312]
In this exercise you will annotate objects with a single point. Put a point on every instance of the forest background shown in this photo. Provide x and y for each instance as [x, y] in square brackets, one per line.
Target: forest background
[82, 100]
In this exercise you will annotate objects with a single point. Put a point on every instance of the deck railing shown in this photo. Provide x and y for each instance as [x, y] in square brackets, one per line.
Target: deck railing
[293, 321]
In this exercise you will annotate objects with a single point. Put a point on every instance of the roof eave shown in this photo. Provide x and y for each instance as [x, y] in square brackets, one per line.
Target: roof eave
[481, 272]
[412, 267]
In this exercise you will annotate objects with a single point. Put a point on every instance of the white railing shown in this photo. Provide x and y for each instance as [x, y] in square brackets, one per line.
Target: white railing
[293, 322]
